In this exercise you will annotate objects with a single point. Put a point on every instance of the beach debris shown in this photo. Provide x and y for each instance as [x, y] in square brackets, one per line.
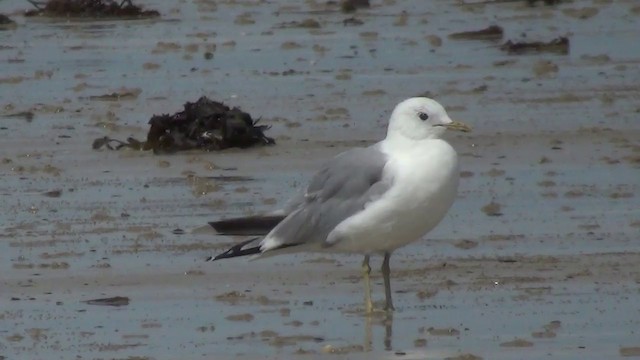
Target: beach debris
[546, 2]
[493, 32]
[349, 6]
[26, 115]
[492, 209]
[120, 95]
[352, 21]
[53, 193]
[305, 24]
[89, 9]
[112, 301]
[558, 45]
[205, 124]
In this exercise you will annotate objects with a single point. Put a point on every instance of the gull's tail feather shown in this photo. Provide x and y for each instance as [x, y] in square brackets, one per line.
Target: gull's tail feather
[237, 250]
[251, 225]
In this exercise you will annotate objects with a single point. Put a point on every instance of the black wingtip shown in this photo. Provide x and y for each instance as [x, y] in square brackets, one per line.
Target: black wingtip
[237, 250]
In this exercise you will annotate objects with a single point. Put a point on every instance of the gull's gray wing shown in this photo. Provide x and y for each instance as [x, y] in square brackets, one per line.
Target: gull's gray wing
[339, 190]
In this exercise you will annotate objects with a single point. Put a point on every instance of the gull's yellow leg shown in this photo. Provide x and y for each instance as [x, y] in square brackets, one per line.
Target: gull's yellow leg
[366, 271]
[386, 273]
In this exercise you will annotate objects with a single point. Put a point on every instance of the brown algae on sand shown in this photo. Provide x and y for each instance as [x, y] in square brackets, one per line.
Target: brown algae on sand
[558, 45]
[205, 124]
[89, 9]
[493, 32]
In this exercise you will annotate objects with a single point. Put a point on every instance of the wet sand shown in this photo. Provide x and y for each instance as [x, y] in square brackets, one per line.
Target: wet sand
[538, 258]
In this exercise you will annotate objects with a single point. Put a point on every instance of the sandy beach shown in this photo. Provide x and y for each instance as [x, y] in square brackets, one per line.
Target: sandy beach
[538, 258]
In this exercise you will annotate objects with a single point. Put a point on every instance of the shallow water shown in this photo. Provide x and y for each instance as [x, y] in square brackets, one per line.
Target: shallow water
[559, 152]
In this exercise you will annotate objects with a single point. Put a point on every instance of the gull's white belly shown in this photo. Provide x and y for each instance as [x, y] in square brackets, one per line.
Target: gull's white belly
[425, 183]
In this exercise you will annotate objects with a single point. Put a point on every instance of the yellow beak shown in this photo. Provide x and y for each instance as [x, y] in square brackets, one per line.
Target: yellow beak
[458, 126]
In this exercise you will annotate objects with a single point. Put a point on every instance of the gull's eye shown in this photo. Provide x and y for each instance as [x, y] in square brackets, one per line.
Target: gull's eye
[423, 116]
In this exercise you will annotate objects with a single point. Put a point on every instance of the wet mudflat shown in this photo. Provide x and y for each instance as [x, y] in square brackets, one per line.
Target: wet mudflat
[102, 252]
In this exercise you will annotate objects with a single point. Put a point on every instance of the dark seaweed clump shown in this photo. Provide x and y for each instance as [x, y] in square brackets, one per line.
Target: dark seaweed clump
[90, 9]
[559, 45]
[493, 32]
[546, 2]
[349, 6]
[206, 124]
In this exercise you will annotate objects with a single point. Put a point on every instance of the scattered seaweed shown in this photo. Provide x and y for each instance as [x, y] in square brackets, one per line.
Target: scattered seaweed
[349, 6]
[89, 9]
[352, 21]
[492, 209]
[305, 24]
[558, 45]
[517, 343]
[546, 2]
[26, 115]
[206, 124]
[112, 301]
[53, 193]
[493, 32]
[121, 95]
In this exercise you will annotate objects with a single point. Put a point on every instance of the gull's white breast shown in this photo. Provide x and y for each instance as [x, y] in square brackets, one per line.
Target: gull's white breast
[425, 183]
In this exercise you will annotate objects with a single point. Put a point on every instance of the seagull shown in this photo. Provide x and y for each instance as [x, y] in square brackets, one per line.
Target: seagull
[368, 201]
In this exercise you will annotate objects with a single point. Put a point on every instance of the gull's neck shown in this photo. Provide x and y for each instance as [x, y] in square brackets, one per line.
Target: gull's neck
[399, 142]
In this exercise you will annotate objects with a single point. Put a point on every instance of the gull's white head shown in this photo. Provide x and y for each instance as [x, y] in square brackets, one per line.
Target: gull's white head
[421, 118]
